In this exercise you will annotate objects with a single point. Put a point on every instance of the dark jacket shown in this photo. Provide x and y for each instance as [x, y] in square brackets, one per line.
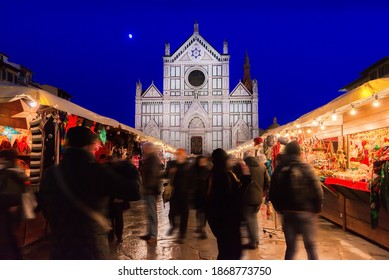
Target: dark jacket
[181, 184]
[254, 191]
[224, 202]
[199, 175]
[150, 170]
[11, 189]
[302, 192]
[74, 234]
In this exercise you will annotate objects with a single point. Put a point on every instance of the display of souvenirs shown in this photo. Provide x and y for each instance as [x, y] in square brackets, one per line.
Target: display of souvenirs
[369, 146]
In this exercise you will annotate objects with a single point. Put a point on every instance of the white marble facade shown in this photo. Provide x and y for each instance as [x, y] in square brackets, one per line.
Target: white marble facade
[196, 109]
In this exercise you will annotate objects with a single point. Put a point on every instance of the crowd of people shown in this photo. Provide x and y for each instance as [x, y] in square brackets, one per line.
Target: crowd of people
[83, 201]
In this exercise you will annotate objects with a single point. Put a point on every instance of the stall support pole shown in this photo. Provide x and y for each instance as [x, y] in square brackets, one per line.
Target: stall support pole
[344, 221]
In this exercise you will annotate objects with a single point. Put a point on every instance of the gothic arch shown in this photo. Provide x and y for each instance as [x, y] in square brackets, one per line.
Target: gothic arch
[196, 123]
[189, 117]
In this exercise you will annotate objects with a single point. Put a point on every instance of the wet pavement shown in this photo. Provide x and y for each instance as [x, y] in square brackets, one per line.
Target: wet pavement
[333, 242]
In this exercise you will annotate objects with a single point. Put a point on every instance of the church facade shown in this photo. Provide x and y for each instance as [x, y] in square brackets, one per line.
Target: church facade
[196, 109]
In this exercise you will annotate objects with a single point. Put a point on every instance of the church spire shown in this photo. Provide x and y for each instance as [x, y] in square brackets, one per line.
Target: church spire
[248, 83]
[196, 27]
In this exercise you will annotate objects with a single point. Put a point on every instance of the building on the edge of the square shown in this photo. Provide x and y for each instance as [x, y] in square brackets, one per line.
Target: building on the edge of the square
[196, 109]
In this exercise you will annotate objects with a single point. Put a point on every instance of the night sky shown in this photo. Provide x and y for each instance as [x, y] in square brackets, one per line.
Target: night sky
[301, 52]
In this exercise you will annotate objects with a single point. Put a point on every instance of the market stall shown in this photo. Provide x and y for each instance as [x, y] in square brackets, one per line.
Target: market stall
[347, 143]
[34, 122]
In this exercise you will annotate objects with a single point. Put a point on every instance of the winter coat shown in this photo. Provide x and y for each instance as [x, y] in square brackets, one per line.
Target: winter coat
[74, 234]
[180, 185]
[10, 196]
[198, 180]
[254, 191]
[224, 202]
[301, 193]
[150, 170]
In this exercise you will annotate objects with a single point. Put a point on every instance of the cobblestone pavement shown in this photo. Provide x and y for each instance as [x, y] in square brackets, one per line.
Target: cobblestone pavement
[333, 242]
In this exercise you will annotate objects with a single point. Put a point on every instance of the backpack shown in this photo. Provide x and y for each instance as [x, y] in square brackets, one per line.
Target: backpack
[288, 188]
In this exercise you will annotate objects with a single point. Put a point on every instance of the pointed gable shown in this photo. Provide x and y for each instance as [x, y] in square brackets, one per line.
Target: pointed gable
[196, 48]
[152, 92]
[240, 90]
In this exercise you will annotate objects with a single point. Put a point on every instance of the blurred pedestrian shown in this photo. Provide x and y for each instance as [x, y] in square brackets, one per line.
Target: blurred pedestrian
[126, 169]
[150, 171]
[74, 199]
[12, 185]
[253, 195]
[179, 202]
[296, 193]
[199, 173]
[224, 206]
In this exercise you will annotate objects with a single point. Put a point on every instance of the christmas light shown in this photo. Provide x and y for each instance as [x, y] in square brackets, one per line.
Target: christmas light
[376, 103]
[353, 111]
[334, 116]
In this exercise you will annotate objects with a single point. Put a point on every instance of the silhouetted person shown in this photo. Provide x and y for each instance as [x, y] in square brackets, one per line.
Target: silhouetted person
[126, 169]
[253, 195]
[179, 202]
[199, 175]
[12, 185]
[224, 206]
[296, 193]
[150, 171]
[74, 198]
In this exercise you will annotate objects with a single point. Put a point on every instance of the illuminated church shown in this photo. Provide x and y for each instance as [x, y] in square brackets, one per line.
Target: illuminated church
[196, 109]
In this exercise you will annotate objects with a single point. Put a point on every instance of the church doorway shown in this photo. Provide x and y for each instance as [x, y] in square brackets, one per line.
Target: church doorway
[196, 145]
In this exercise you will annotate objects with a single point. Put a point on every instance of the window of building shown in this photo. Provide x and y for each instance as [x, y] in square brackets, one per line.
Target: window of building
[175, 120]
[217, 141]
[145, 120]
[188, 93]
[217, 70]
[217, 92]
[174, 107]
[175, 93]
[240, 107]
[175, 71]
[247, 119]
[217, 120]
[10, 77]
[216, 107]
[175, 84]
[217, 83]
[175, 138]
[159, 120]
[187, 106]
[203, 93]
[233, 119]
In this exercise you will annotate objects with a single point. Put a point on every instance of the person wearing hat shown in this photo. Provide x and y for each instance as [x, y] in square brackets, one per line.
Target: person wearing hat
[74, 198]
[296, 193]
[253, 195]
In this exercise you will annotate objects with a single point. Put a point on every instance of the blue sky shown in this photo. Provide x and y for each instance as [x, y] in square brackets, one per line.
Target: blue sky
[301, 52]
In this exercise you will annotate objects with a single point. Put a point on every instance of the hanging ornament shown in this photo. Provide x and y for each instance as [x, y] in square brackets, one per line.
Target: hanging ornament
[29, 113]
[103, 136]
[9, 132]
